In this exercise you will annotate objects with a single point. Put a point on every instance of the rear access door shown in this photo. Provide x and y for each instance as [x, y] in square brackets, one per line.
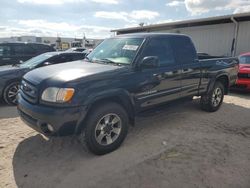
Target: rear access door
[186, 56]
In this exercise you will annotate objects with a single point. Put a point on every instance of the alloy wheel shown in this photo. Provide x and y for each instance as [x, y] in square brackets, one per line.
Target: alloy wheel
[216, 97]
[108, 129]
[12, 93]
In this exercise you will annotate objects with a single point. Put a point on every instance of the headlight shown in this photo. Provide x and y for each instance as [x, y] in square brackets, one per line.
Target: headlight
[59, 95]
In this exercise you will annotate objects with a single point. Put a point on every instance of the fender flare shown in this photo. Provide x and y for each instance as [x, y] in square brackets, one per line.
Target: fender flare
[213, 80]
[124, 98]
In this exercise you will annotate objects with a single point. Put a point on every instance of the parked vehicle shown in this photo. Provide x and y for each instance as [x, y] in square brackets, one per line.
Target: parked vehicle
[14, 53]
[125, 75]
[76, 49]
[244, 71]
[11, 75]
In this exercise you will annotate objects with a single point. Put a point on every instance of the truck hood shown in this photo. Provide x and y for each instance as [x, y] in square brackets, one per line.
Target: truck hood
[67, 71]
[244, 68]
[9, 69]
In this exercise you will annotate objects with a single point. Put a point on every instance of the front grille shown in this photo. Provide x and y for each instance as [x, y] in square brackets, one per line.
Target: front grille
[29, 91]
[244, 75]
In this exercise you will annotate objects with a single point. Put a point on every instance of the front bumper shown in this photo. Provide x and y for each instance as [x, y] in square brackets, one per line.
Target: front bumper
[64, 120]
[243, 83]
[1, 92]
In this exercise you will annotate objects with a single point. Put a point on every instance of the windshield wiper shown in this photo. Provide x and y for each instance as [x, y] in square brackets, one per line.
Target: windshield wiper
[105, 60]
[16, 65]
[87, 58]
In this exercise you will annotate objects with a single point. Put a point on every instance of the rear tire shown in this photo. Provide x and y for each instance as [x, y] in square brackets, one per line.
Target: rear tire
[10, 93]
[212, 101]
[106, 128]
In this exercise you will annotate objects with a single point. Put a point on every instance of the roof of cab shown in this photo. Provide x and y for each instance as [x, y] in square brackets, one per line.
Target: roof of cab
[146, 35]
[63, 52]
[245, 54]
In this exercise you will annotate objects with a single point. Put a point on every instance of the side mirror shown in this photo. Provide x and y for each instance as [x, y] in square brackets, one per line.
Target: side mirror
[149, 62]
[46, 63]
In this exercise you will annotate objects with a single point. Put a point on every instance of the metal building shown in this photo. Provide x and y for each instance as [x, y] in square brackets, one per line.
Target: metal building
[223, 35]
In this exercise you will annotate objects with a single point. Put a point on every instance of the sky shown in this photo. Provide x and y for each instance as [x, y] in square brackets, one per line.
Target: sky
[95, 18]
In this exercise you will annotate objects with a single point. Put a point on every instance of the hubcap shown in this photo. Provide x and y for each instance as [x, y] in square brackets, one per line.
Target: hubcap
[217, 97]
[108, 129]
[12, 93]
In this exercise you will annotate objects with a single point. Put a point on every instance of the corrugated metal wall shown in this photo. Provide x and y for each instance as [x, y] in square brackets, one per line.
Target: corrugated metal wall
[217, 39]
[243, 44]
[212, 39]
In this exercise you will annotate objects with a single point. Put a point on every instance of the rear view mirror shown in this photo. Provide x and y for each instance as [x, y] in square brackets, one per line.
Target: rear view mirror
[149, 62]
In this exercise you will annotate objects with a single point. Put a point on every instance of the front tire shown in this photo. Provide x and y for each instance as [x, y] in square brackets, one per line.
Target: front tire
[10, 93]
[212, 101]
[106, 128]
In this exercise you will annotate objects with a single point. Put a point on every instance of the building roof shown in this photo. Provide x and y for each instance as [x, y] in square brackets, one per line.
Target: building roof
[187, 23]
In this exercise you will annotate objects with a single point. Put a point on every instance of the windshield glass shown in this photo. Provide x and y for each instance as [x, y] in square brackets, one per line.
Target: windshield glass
[33, 62]
[245, 60]
[116, 50]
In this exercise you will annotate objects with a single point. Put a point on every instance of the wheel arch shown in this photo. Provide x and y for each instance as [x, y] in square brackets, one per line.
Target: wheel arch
[223, 78]
[11, 81]
[122, 98]
[6, 83]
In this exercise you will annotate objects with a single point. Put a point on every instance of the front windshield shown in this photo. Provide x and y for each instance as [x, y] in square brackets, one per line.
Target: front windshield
[245, 60]
[33, 62]
[116, 50]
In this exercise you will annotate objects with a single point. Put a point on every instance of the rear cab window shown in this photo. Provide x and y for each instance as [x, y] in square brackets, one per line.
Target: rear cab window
[184, 50]
[5, 50]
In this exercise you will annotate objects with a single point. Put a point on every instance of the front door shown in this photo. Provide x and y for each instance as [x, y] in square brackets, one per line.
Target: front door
[160, 84]
[5, 54]
[22, 52]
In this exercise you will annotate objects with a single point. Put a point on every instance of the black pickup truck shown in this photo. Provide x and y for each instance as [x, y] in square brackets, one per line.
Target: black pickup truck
[123, 76]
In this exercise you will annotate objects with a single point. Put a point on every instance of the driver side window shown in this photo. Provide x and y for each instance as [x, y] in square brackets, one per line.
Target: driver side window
[161, 48]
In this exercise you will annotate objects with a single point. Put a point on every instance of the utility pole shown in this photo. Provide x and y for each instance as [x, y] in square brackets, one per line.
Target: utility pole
[83, 40]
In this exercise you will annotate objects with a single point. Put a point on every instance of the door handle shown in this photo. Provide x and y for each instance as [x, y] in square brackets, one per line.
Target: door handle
[158, 76]
[175, 72]
[5, 58]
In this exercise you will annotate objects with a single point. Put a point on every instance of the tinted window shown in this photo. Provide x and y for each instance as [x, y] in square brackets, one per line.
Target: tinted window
[5, 50]
[23, 50]
[76, 57]
[245, 60]
[41, 47]
[33, 62]
[184, 50]
[162, 49]
[62, 58]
